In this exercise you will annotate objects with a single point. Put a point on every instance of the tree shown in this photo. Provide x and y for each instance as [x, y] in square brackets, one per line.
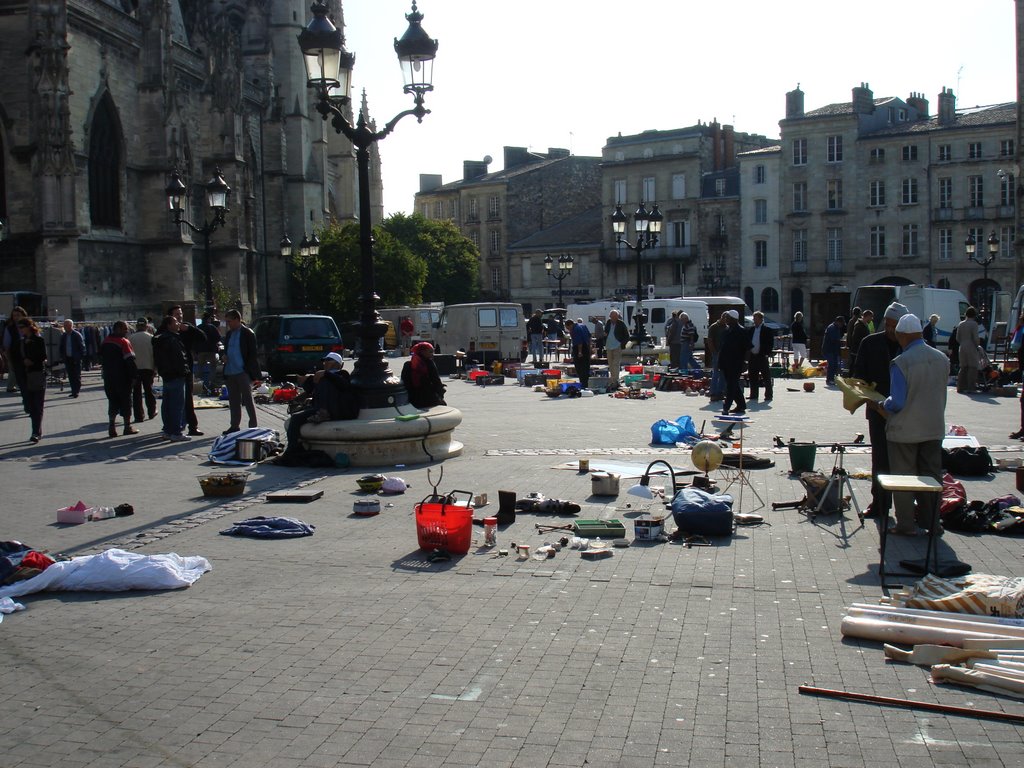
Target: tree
[453, 262]
[335, 277]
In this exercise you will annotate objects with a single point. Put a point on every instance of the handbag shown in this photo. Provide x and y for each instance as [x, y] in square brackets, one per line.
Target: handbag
[35, 381]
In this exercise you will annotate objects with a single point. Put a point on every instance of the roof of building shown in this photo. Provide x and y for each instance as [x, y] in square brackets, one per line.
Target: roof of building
[581, 230]
[506, 174]
[761, 151]
[975, 117]
[708, 183]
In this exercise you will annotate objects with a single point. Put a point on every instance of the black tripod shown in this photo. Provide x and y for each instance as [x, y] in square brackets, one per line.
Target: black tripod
[813, 504]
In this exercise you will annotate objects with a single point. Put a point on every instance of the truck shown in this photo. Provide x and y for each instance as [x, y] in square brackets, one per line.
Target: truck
[923, 301]
[485, 331]
[659, 310]
[423, 316]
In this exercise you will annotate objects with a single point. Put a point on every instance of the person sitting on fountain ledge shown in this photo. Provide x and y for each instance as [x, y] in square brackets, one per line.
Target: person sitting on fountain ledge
[333, 400]
[421, 378]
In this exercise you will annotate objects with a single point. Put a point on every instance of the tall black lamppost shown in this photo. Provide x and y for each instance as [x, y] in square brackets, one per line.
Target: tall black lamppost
[309, 249]
[217, 194]
[3, 230]
[328, 68]
[564, 270]
[648, 227]
[971, 247]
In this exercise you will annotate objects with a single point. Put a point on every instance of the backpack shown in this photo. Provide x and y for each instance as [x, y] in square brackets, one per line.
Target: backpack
[967, 461]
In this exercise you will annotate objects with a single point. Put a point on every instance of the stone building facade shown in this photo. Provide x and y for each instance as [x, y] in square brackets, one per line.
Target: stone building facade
[104, 98]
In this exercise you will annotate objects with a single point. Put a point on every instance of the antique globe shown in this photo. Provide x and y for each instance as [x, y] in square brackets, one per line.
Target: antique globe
[706, 456]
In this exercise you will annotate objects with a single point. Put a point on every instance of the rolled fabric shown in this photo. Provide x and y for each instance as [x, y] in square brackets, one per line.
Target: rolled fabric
[870, 628]
[983, 681]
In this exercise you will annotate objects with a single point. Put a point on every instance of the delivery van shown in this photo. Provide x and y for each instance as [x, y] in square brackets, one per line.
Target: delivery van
[660, 310]
[921, 300]
[486, 331]
[424, 317]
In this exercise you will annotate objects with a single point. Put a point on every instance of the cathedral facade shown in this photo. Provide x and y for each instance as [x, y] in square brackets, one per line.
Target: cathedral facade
[103, 99]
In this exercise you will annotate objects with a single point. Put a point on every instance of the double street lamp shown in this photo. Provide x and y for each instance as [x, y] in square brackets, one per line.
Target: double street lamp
[971, 247]
[648, 227]
[565, 264]
[328, 71]
[217, 195]
[308, 250]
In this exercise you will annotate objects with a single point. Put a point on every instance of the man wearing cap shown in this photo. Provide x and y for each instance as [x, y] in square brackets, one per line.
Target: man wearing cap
[915, 413]
[241, 369]
[875, 353]
[142, 387]
[732, 360]
[333, 400]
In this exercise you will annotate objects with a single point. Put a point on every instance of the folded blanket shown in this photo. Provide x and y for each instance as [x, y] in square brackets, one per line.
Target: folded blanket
[270, 528]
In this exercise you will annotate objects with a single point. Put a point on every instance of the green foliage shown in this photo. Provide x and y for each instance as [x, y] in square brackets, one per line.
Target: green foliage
[451, 258]
[223, 297]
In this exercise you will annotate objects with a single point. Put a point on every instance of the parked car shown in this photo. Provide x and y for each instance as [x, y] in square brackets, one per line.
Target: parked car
[290, 344]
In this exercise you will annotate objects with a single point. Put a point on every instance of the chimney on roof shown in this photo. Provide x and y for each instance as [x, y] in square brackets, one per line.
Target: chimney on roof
[557, 152]
[429, 181]
[947, 106]
[863, 100]
[795, 103]
[474, 169]
[920, 103]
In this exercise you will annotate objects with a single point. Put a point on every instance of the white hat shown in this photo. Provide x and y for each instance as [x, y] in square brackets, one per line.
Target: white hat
[908, 324]
[733, 314]
[335, 357]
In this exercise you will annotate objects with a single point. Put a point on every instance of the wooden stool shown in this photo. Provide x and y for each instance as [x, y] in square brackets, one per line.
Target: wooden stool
[910, 484]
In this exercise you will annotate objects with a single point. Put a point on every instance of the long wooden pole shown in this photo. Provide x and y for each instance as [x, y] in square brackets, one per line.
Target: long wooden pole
[990, 714]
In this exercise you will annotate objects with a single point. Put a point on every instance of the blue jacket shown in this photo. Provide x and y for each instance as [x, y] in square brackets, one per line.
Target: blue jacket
[77, 346]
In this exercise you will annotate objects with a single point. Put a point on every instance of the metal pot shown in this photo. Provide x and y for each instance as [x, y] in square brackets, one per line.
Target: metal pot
[248, 450]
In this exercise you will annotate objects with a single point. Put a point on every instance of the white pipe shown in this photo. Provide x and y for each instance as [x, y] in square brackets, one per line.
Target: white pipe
[908, 633]
[947, 621]
[1001, 620]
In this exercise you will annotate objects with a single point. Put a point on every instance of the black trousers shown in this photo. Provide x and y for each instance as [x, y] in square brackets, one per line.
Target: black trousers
[74, 371]
[733, 390]
[881, 500]
[582, 364]
[142, 392]
[190, 407]
[759, 373]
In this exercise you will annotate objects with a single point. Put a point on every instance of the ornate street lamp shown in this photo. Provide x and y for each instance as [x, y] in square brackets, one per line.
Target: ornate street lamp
[648, 228]
[328, 69]
[217, 195]
[565, 264]
[971, 248]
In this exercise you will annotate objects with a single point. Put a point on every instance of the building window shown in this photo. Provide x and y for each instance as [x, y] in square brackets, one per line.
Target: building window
[453, 209]
[526, 270]
[474, 214]
[1006, 240]
[474, 238]
[759, 174]
[877, 193]
[719, 187]
[105, 166]
[496, 279]
[945, 244]
[945, 153]
[720, 224]
[799, 151]
[679, 273]
[909, 192]
[1007, 148]
[979, 237]
[877, 241]
[834, 190]
[493, 207]
[800, 245]
[760, 211]
[800, 196]
[877, 155]
[748, 296]
[438, 209]
[425, 210]
[495, 242]
[769, 300]
[909, 247]
[974, 150]
[909, 153]
[649, 273]
[1007, 190]
[835, 244]
[975, 192]
[679, 234]
[678, 186]
[834, 149]
[945, 192]
[648, 190]
[761, 254]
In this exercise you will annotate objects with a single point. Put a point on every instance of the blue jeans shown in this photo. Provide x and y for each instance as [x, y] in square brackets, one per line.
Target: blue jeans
[686, 359]
[172, 406]
[832, 359]
[717, 378]
[537, 346]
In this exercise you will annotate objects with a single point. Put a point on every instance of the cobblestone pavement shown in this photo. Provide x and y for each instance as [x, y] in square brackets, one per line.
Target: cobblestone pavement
[349, 648]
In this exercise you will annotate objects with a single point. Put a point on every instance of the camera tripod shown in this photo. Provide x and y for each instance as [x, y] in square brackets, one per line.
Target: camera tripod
[838, 481]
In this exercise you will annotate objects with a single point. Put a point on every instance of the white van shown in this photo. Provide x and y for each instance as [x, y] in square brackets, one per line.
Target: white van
[921, 300]
[486, 330]
[660, 310]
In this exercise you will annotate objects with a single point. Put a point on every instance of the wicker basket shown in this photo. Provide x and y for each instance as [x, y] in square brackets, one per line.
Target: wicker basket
[224, 483]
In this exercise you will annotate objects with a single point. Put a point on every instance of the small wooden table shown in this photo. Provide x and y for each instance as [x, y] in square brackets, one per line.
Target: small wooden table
[910, 484]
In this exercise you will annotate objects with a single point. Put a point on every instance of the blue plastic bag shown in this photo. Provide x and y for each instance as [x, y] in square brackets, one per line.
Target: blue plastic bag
[665, 432]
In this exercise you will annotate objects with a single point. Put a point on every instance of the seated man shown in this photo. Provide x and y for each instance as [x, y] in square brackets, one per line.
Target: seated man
[421, 378]
[333, 400]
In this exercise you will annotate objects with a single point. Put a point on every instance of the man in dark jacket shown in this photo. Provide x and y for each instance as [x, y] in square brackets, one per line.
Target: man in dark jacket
[857, 333]
[241, 369]
[831, 347]
[171, 361]
[875, 353]
[333, 400]
[194, 341]
[762, 342]
[118, 360]
[72, 350]
[732, 360]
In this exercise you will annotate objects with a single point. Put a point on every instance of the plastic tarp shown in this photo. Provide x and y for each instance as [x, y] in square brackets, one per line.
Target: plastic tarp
[114, 571]
[682, 430]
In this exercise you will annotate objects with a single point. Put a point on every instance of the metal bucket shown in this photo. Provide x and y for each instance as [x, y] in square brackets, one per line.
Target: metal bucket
[248, 450]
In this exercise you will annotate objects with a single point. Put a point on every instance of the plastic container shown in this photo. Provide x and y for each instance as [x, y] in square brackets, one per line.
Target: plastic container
[490, 531]
[801, 457]
[444, 523]
[649, 529]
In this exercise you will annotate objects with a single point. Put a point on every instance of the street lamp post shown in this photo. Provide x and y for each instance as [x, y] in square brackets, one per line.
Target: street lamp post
[217, 195]
[565, 264]
[971, 247]
[648, 227]
[309, 249]
[328, 69]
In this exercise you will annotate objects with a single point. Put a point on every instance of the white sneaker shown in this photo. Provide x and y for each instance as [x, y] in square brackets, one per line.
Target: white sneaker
[179, 438]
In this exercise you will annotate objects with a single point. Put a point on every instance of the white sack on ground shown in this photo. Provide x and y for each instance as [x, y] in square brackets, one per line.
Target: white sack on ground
[114, 571]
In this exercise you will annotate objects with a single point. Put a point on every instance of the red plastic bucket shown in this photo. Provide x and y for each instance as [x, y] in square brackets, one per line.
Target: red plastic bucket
[443, 523]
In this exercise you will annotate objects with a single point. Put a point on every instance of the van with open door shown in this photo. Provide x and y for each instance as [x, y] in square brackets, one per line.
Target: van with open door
[486, 331]
[921, 300]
